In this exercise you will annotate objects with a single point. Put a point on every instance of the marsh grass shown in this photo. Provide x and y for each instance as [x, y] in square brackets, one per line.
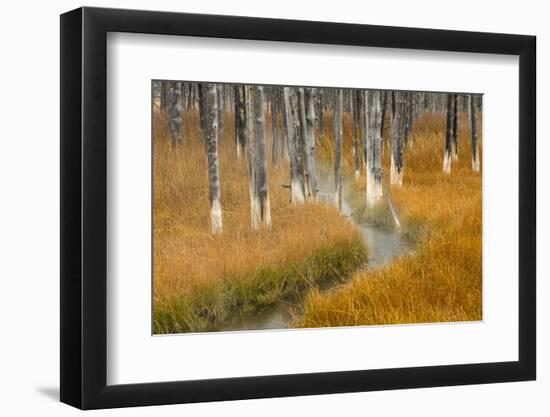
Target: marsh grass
[201, 281]
[442, 280]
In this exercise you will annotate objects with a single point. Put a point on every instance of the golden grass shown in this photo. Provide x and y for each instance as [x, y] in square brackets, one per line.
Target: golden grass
[201, 280]
[442, 280]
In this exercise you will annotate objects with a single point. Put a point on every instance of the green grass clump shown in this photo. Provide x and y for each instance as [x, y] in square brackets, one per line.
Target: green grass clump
[208, 307]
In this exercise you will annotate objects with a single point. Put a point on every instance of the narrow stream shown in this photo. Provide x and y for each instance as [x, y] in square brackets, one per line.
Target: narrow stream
[384, 245]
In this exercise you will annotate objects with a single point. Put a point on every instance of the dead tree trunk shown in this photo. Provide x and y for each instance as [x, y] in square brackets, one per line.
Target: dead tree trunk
[397, 130]
[454, 143]
[275, 137]
[240, 121]
[365, 130]
[163, 95]
[319, 110]
[409, 118]
[356, 109]
[307, 121]
[322, 95]
[388, 102]
[284, 130]
[184, 95]
[447, 158]
[338, 152]
[475, 145]
[297, 187]
[417, 104]
[384, 107]
[372, 133]
[221, 108]
[210, 122]
[202, 110]
[260, 209]
[174, 112]
[189, 105]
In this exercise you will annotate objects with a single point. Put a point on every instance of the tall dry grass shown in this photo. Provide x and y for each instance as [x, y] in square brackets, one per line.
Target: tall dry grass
[442, 280]
[201, 281]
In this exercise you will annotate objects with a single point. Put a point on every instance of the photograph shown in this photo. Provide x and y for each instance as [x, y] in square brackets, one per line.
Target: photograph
[288, 207]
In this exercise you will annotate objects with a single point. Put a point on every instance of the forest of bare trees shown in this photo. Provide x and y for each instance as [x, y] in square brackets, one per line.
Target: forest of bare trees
[298, 115]
[290, 206]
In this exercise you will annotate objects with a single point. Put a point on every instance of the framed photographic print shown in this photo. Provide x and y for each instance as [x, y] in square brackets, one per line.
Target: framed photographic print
[257, 208]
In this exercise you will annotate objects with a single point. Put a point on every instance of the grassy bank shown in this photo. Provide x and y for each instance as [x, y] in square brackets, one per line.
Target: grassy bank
[200, 280]
[442, 281]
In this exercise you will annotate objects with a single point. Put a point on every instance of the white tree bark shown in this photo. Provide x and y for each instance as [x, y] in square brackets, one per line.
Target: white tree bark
[338, 150]
[260, 208]
[307, 122]
[373, 138]
[297, 184]
[173, 106]
[211, 143]
[475, 145]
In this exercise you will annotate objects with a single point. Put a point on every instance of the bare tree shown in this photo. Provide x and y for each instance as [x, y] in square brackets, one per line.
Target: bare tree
[356, 104]
[284, 130]
[190, 104]
[275, 131]
[307, 118]
[202, 110]
[257, 165]
[174, 112]
[240, 120]
[387, 103]
[384, 95]
[221, 108]
[417, 104]
[397, 133]
[475, 146]
[372, 133]
[163, 95]
[210, 115]
[454, 143]
[319, 110]
[338, 152]
[183, 94]
[408, 118]
[448, 135]
[297, 184]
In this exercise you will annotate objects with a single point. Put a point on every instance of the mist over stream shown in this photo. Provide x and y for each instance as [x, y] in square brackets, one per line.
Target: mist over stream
[384, 244]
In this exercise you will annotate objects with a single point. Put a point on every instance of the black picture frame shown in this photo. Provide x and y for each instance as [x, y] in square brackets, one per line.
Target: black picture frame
[84, 207]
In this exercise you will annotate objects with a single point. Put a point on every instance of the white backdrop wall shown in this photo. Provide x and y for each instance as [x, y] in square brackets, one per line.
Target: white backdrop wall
[29, 238]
